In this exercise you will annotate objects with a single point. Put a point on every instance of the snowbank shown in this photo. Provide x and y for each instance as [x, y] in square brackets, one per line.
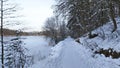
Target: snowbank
[70, 54]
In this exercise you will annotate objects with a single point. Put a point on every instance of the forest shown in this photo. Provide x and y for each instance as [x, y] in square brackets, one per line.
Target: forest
[77, 17]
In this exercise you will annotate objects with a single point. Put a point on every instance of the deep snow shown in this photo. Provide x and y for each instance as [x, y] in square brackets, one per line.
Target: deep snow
[37, 47]
[70, 54]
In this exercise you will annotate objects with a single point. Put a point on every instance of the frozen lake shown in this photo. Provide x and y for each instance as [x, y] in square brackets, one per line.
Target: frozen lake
[38, 46]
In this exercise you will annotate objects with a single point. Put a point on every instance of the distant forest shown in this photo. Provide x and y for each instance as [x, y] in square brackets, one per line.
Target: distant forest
[10, 32]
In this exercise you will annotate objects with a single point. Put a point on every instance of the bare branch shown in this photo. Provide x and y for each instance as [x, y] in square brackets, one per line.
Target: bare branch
[11, 8]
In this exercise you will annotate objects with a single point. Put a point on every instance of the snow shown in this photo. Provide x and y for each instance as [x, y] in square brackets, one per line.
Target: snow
[35, 43]
[38, 47]
[71, 54]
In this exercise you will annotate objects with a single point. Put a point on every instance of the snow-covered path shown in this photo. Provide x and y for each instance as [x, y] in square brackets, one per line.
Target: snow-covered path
[70, 54]
[66, 55]
[71, 57]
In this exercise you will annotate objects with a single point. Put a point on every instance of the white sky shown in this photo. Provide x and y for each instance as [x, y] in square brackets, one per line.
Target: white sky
[35, 13]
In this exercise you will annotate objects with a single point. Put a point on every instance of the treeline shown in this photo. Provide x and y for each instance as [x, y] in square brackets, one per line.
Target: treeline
[80, 17]
[10, 32]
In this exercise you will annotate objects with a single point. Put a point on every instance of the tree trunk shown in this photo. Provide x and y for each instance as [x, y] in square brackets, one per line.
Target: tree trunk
[112, 15]
[2, 46]
[115, 24]
[119, 10]
[90, 34]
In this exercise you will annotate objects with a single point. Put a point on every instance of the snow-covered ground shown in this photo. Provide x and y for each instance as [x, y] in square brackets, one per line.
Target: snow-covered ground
[71, 54]
[37, 47]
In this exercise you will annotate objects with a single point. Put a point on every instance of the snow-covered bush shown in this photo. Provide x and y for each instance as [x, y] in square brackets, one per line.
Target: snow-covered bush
[15, 53]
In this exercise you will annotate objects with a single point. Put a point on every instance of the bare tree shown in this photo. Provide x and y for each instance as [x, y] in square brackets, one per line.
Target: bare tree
[6, 13]
[2, 46]
[50, 29]
[82, 15]
[86, 15]
[112, 14]
[55, 29]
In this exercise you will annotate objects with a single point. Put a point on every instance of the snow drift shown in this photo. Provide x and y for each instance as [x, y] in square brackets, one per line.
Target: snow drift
[70, 54]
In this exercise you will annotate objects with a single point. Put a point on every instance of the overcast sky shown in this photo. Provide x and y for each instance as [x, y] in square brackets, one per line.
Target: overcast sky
[35, 12]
